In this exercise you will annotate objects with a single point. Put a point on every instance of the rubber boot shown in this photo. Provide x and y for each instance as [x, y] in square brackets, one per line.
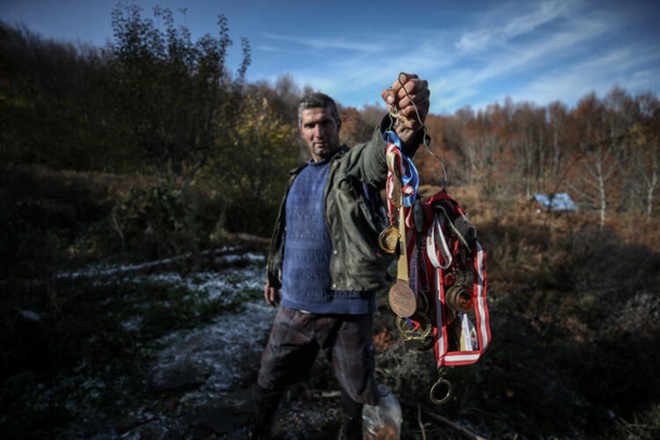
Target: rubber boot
[351, 419]
[265, 402]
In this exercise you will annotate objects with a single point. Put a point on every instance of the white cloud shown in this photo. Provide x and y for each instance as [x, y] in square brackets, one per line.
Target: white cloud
[500, 26]
[624, 66]
[326, 43]
[547, 52]
[562, 62]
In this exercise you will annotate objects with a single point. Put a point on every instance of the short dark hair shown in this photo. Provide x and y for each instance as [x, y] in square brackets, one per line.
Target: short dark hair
[317, 100]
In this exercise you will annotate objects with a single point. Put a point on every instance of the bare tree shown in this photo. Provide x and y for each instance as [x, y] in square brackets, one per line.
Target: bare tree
[592, 178]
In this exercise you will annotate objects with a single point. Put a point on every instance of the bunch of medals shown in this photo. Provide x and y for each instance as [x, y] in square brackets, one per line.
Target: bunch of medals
[439, 296]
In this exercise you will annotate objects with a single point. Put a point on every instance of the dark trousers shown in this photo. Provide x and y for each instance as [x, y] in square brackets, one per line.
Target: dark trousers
[296, 339]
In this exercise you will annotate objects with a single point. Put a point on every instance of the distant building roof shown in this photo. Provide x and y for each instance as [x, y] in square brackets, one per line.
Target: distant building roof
[560, 202]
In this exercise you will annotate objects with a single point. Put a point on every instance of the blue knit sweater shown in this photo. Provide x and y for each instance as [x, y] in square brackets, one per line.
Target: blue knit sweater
[306, 276]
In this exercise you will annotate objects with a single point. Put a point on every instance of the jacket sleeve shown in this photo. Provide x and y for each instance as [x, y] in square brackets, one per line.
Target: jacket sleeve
[367, 161]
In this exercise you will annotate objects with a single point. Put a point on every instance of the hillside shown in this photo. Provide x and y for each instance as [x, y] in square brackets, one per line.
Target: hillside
[574, 315]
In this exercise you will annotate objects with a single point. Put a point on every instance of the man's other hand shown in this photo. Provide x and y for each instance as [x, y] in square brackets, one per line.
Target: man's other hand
[272, 295]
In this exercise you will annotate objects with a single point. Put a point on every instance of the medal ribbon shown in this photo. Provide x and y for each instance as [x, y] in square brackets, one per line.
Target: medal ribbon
[401, 173]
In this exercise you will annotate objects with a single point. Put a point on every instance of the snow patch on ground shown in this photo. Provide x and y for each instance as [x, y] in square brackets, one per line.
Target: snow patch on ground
[217, 351]
[195, 368]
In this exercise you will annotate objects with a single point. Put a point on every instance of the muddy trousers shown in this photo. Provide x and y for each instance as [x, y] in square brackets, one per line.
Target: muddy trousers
[266, 403]
[351, 418]
[295, 340]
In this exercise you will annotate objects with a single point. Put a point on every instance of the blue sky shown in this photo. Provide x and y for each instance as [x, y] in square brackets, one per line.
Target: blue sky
[473, 53]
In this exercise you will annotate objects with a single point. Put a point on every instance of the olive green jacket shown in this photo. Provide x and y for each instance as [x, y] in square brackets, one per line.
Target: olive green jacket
[357, 263]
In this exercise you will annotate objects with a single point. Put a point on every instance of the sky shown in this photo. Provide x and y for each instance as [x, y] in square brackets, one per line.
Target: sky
[472, 52]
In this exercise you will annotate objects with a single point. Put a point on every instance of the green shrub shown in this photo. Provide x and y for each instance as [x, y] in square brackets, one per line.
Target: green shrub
[154, 223]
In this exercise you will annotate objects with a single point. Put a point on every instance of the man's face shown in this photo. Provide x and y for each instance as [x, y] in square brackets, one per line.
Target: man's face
[320, 131]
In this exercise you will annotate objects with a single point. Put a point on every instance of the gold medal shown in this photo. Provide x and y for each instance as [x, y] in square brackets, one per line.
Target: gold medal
[418, 333]
[388, 239]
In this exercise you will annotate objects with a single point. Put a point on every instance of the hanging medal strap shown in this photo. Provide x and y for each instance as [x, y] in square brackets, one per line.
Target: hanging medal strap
[402, 263]
[479, 289]
[402, 178]
[401, 173]
[401, 186]
[441, 329]
[436, 245]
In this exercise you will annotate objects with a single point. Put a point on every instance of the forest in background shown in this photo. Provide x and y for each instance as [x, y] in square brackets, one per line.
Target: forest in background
[150, 147]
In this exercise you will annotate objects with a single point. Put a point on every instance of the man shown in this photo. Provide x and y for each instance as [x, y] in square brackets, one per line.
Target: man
[324, 264]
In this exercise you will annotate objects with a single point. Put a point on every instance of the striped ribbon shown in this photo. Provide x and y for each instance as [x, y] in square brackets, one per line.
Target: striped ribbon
[482, 326]
[400, 166]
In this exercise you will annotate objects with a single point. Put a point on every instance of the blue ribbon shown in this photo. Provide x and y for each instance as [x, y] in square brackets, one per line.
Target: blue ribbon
[411, 176]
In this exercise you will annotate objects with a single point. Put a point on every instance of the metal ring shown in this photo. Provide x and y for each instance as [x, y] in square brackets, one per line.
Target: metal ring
[440, 391]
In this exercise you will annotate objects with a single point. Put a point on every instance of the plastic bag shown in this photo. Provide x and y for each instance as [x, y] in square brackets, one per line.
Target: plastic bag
[382, 421]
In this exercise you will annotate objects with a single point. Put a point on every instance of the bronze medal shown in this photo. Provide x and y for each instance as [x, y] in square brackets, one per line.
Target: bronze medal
[402, 299]
[459, 298]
